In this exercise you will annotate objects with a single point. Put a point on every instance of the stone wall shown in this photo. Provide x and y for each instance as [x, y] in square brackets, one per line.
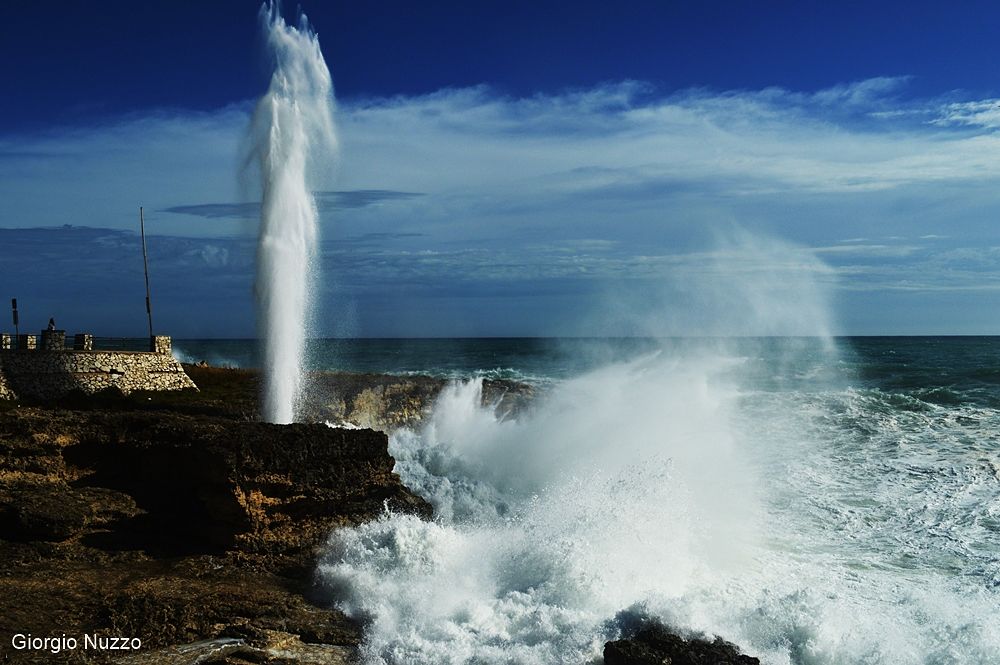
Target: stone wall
[5, 391]
[53, 340]
[162, 344]
[47, 374]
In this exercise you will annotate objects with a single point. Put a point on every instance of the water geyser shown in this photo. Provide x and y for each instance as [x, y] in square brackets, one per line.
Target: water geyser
[292, 130]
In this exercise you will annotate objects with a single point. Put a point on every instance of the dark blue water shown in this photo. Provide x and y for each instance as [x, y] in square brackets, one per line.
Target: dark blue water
[936, 369]
[456, 358]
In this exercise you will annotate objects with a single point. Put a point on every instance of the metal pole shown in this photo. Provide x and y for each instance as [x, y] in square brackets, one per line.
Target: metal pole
[145, 269]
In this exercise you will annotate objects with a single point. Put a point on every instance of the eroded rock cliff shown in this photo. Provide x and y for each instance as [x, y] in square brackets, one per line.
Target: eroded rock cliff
[178, 528]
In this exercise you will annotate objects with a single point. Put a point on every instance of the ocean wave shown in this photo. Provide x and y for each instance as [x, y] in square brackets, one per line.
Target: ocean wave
[210, 357]
[494, 374]
[822, 526]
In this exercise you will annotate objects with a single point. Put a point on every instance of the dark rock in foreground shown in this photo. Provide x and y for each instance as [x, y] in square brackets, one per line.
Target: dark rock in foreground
[655, 645]
[176, 528]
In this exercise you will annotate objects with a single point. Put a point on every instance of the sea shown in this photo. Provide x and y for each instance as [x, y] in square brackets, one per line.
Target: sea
[812, 500]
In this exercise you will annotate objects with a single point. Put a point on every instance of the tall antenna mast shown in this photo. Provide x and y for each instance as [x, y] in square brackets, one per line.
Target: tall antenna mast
[145, 269]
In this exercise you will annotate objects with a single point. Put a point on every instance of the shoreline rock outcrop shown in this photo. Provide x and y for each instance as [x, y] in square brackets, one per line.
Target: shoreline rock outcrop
[177, 529]
[654, 644]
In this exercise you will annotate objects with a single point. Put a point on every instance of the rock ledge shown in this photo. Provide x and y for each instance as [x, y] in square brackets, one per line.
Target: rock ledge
[178, 529]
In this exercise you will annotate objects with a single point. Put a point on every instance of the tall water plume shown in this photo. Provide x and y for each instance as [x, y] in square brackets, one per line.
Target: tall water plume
[291, 132]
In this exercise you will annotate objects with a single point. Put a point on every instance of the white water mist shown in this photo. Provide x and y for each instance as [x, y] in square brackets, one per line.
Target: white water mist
[734, 487]
[623, 484]
[292, 127]
[622, 491]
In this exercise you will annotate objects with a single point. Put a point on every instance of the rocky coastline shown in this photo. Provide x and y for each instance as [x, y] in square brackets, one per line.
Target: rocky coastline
[174, 529]
[179, 521]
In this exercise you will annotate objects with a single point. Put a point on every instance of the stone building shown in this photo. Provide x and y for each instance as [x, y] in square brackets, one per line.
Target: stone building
[46, 366]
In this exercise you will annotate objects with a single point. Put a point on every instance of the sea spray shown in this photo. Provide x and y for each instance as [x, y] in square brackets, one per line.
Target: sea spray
[624, 484]
[292, 129]
[623, 488]
[739, 488]
[808, 521]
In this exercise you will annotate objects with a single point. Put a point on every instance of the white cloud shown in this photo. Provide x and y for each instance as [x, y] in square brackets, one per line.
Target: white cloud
[875, 92]
[99, 176]
[477, 151]
[979, 113]
[854, 249]
[611, 182]
[763, 141]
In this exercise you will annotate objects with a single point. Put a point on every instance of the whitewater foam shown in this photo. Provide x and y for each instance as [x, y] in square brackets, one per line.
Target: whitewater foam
[810, 526]
[624, 486]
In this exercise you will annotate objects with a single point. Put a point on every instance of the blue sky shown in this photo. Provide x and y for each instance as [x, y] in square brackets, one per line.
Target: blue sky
[519, 168]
